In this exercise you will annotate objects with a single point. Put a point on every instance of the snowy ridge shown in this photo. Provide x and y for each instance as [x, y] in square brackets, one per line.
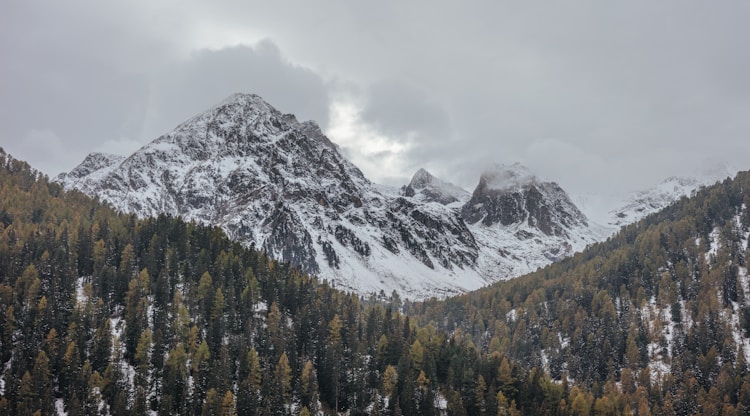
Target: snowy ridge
[640, 204]
[613, 212]
[281, 185]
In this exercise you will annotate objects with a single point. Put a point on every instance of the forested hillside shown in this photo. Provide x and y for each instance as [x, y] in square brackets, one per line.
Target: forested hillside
[656, 320]
[103, 313]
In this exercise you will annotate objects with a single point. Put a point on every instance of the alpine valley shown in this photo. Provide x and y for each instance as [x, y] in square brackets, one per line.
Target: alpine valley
[281, 185]
[106, 313]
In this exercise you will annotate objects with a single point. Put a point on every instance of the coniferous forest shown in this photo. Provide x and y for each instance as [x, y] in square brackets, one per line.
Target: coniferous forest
[106, 313]
[103, 313]
[656, 320]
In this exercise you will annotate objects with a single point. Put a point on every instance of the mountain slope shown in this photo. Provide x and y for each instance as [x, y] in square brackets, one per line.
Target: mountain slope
[657, 315]
[281, 185]
[522, 223]
[640, 204]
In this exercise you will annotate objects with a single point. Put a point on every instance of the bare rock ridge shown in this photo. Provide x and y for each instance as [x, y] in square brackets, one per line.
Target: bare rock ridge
[282, 185]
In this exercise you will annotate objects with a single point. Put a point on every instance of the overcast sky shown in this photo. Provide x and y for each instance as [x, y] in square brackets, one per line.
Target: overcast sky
[599, 96]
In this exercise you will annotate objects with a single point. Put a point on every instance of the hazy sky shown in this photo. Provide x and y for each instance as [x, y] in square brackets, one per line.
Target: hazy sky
[598, 95]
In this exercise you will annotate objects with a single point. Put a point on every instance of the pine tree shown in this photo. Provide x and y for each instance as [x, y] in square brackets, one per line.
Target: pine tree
[27, 400]
[200, 369]
[205, 294]
[227, 404]
[390, 378]
[309, 387]
[100, 354]
[503, 408]
[282, 384]
[176, 379]
[480, 391]
[143, 359]
[42, 384]
[248, 396]
[330, 370]
[136, 307]
[275, 330]
[212, 404]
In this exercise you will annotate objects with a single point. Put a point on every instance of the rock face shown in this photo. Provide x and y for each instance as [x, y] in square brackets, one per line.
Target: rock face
[513, 195]
[271, 181]
[521, 222]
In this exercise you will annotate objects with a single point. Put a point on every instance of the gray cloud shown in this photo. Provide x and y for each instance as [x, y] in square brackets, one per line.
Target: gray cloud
[81, 87]
[396, 108]
[598, 95]
[208, 76]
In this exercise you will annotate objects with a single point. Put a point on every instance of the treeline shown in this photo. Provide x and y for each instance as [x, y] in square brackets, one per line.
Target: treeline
[104, 313]
[655, 320]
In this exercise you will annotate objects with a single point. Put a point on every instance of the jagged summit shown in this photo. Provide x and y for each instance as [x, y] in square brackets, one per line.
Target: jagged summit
[427, 188]
[509, 195]
[238, 124]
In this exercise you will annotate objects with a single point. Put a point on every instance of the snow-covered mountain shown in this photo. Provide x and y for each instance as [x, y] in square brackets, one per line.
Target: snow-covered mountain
[522, 222]
[642, 203]
[280, 184]
[615, 211]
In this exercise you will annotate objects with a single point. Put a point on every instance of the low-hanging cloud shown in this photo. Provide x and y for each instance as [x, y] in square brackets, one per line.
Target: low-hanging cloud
[190, 86]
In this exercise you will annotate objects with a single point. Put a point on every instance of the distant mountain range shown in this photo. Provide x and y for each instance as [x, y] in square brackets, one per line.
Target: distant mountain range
[278, 184]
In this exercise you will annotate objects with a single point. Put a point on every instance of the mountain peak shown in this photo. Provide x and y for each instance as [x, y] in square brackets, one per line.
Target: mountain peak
[511, 195]
[244, 98]
[242, 108]
[426, 187]
[421, 177]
